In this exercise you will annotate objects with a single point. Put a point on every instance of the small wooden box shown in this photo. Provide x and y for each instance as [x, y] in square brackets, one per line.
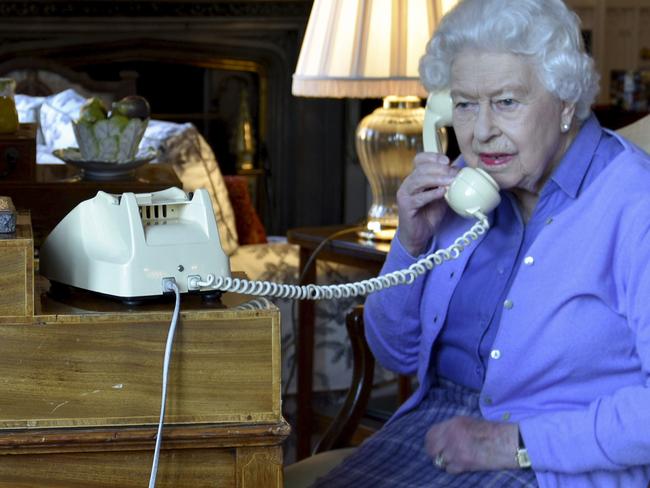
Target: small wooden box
[17, 272]
[18, 154]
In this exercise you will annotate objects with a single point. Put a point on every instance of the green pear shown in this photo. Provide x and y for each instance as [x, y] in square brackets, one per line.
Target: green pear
[92, 111]
[118, 120]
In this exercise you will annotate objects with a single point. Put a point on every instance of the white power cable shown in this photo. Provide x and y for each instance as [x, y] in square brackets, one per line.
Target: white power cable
[360, 288]
[169, 286]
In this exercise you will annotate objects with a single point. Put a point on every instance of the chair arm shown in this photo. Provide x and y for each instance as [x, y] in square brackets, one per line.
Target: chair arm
[342, 428]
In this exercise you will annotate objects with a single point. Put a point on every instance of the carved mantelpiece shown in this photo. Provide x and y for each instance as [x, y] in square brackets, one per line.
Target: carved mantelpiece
[99, 8]
[251, 36]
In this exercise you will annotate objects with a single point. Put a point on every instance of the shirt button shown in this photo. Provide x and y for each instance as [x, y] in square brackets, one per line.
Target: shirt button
[506, 416]
[495, 354]
[508, 304]
[529, 260]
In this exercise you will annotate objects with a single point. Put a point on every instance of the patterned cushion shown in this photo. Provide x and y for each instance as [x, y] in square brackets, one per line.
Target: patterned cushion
[56, 115]
[249, 226]
[196, 166]
[159, 131]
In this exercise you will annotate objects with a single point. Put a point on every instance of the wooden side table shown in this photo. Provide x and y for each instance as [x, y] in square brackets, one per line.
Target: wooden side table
[58, 188]
[345, 249]
[80, 395]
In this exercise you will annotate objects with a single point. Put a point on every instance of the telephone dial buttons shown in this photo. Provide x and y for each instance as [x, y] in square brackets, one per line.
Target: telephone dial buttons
[508, 304]
[529, 260]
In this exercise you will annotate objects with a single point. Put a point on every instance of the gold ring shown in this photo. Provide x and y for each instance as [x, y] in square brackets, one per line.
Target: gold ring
[439, 461]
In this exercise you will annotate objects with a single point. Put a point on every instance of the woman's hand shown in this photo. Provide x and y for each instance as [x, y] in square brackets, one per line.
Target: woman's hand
[468, 444]
[420, 200]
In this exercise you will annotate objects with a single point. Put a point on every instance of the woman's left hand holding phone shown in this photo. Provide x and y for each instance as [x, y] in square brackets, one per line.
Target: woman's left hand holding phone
[420, 200]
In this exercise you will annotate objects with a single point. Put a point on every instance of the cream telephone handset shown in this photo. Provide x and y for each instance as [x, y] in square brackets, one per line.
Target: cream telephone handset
[473, 193]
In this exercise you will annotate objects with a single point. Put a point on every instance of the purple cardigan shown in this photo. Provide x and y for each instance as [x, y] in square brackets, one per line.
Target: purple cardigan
[571, 358]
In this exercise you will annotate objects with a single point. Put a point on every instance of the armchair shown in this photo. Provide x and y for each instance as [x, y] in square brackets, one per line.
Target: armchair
[638, 132]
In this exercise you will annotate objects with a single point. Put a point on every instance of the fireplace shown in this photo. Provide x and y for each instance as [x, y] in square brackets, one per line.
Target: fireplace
[207, 63]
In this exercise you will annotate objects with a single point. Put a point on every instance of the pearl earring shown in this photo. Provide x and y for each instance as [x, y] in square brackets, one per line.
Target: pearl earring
[565, 127]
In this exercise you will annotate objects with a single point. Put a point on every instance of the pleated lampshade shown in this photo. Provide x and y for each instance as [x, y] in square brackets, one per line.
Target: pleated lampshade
[365, 48]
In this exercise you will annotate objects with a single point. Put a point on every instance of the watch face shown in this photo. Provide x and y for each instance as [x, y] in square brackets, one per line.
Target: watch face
[522, 458]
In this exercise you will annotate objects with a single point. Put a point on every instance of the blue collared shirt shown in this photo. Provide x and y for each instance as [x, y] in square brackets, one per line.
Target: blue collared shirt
[464, 345]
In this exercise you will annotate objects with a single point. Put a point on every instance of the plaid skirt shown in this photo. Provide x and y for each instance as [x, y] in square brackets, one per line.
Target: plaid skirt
[395, 456]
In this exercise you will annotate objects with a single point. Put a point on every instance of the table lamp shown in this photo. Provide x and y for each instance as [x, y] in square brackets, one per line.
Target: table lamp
[371, 49]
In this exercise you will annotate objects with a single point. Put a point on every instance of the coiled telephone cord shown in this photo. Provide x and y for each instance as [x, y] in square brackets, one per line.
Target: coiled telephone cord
[360, 288]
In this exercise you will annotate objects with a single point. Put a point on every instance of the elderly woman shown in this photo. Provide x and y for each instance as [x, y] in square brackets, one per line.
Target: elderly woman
[532, 348]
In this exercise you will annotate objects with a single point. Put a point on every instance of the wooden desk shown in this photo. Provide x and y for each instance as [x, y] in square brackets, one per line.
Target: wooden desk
[80, 393]
[58, 188]
[346, 249]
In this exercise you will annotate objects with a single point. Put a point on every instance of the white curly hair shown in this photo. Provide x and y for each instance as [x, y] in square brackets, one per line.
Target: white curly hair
[546, 31]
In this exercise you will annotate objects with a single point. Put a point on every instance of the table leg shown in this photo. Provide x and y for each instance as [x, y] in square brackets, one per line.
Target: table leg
[305, 364]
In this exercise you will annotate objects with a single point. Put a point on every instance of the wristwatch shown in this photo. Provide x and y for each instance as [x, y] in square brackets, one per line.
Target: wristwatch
[522, 454]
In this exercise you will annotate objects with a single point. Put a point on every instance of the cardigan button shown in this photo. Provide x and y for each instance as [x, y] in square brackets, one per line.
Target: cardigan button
[495, 354]
[529, 260]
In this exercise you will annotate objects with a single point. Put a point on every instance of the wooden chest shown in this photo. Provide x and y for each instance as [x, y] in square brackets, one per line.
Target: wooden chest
[18, 154]
[81, 388]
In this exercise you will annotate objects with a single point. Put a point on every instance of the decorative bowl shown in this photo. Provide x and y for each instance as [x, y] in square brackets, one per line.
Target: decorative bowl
[115, 139]
[104, 170]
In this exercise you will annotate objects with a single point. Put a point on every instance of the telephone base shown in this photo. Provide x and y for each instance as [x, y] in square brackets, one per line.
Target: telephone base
[129, 245]
[62, 292]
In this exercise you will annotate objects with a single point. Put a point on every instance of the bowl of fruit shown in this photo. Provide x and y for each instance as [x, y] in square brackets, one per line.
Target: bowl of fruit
[109, 140]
